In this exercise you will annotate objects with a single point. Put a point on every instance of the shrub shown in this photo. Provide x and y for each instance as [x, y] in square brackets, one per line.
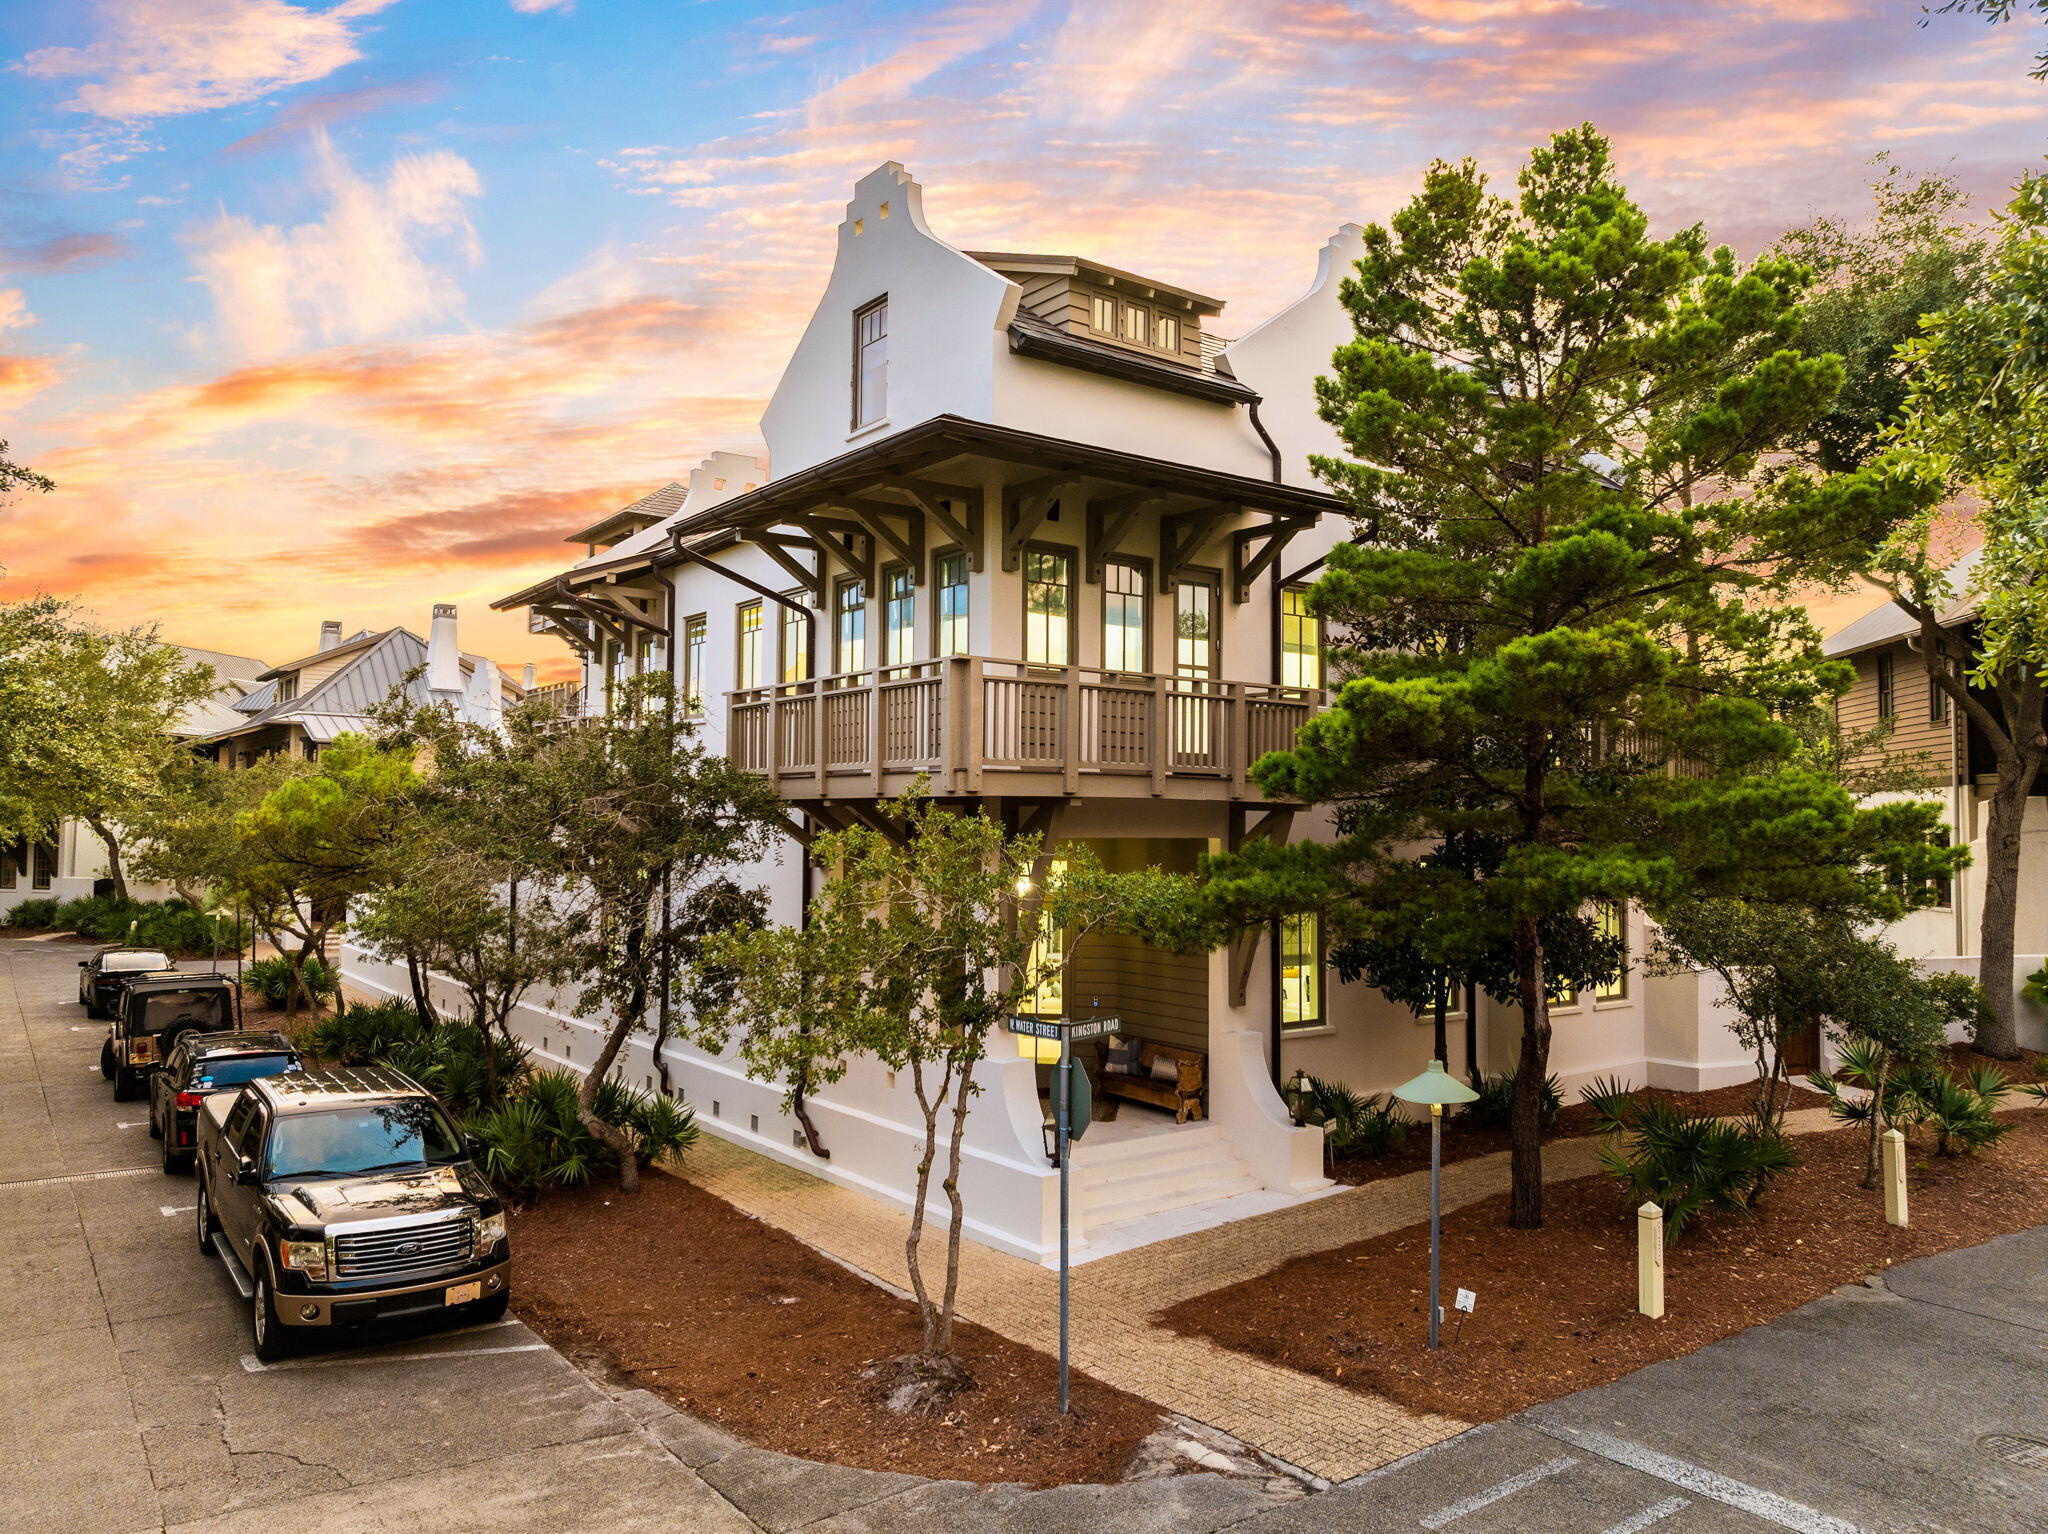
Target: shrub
[361, 1034]
[1962, 1114]
[455, 1061]
[1690, 1164]
[534, 1140]
[1495, 1106]
[187, 932]
[272, 978]
[104, 917]
[2036, 988]
[1354, 1123]
[35, 915]
[1962, 1001]
[1611, 1100]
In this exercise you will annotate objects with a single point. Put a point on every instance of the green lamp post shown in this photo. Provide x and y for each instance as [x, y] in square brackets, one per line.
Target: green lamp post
[1436, 1087]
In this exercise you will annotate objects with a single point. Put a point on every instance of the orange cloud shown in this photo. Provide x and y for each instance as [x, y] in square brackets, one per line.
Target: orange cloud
[23, 377]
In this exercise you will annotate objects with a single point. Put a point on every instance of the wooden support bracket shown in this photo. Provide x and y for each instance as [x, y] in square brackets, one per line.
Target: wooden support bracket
[1028, 506]
[1245, 566]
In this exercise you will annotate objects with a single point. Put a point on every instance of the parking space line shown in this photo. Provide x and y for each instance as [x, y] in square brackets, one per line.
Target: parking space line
[1657, 1512]
[167, 1210]
[256, 1365]
[1499, 1489]
[1755, 1501]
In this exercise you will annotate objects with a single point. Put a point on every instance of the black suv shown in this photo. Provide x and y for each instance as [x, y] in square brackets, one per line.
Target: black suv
[155, 1014]
[102, 977]
[343, 1197]
[205, 1063]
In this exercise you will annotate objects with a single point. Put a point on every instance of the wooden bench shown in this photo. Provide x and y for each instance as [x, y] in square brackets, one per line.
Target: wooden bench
[1182, 1093]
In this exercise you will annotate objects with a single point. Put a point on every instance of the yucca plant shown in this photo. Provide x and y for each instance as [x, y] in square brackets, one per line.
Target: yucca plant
[1354, 1123]
[1964, 1120]
[1611, 1100]
[1690, 1164]
[1495, 1106]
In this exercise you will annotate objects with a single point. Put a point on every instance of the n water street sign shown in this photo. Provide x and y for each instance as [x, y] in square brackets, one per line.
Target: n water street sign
[1075, 1028]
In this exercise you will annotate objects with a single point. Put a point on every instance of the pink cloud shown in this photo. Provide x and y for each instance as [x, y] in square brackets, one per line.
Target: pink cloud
[325, 108]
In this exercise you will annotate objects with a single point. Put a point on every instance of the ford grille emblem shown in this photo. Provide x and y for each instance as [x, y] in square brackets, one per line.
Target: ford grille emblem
[406, 1248]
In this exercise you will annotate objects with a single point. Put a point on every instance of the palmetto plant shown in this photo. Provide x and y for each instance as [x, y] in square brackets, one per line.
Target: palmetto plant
[1690, 1165]
[1354, 1123]
[536, 1138]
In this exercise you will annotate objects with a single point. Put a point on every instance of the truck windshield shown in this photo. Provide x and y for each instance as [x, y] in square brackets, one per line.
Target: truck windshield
[236, 1069]
[199, 1009]
[368, 1138]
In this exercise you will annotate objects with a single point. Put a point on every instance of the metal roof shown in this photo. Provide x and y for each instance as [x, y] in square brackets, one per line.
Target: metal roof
[1888, 622]
[1007, 261]
[656, 506]
[1031, 336]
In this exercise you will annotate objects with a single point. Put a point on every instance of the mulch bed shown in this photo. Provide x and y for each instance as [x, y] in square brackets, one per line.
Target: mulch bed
[676, 1291]
[1557, 1306]
[1463, 1140]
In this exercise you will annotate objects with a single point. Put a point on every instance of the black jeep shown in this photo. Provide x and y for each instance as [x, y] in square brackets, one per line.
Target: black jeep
[154, 1015]
[202, 1064]
[339, 1198]
[103, 977]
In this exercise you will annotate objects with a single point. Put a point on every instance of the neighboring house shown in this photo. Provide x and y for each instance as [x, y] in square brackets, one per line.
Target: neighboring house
[73, 862]
[1038, 534]
[1923, 726]
[298, 708]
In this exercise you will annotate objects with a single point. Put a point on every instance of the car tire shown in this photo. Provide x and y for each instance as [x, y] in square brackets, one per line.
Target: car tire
[492, 1309]
[156, 1130]
[107, 1066]
[204, 1220]
[272, 1337]
[175, 1161]
[127, 1084]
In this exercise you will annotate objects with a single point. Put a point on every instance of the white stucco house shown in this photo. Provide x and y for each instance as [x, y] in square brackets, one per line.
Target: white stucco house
[1037, 531]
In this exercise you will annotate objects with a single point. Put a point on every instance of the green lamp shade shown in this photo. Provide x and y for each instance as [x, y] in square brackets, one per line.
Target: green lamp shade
[1435, 1085]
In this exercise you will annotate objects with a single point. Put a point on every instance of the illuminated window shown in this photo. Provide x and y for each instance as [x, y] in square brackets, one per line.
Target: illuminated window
[1301, 640]
[796, 645]
[1562, 993]
[1137, 325]
[1123, 616]
[871, 363]
[1048, 607]
[752, 668]
[950, 604]
[287, 687]
[1045, 963]
[899, 618]
[1105, 314]
[1166, 333]
[693, 663]
[1301, 972]
[850, 609]
[1612, 921]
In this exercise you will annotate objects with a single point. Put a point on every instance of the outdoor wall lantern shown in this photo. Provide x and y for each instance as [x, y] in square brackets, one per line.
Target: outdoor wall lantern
[1297, 1094]
[1436, 1087]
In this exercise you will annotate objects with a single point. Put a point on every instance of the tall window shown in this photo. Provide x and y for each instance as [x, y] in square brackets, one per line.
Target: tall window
[693, 663]
[949, 575]
[1612, 920]
[753, 671]
[1166, 333]
[618, 665]
[1194, 630]
[1301, 971]
[1301, 640]
[871, 363]
[1887, 689]
[1048, 607]
[1137, 325]
[287, 687]
[1045, 962]
[45, 866]
[1937, 699]
[652, 655]
[850, 624]
[1123, 616]
[796, 645]
[13, 859]
[899, 617]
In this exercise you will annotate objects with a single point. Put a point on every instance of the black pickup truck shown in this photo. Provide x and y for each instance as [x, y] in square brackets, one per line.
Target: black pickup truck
[102, 977]
[200, 1065]
[343, 1197]
[155, 1013]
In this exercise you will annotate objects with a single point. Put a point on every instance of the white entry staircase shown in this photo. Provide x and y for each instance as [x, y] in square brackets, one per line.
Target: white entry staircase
[1121, 1180]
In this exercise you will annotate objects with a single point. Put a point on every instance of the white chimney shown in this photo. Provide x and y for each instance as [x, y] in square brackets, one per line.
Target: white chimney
[484, 702]
[444, 657]
[526, 678]
[330, 634]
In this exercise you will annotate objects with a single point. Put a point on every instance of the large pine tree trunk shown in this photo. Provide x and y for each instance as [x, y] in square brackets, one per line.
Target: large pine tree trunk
[1525, 1204]
[1999, 1038]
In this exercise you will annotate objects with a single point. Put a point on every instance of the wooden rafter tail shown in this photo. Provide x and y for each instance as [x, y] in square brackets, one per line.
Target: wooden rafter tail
[1274, 536]
[907, 544]
[784, 548]
[1182, 536]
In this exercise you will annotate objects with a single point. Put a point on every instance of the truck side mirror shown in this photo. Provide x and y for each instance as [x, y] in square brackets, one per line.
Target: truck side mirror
[82, 963]
[245, 1171]
[472, 1147]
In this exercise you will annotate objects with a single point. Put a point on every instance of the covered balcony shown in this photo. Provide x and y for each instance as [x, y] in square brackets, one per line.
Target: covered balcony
[976, 726]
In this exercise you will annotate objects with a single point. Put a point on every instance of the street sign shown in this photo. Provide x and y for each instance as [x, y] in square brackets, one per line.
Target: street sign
[1075, 1028]
[1080, 1101]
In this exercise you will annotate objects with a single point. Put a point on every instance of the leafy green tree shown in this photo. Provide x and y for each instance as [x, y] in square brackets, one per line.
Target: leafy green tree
[317, 840]
[1562, 623]
[634, 830]
[1976, 419]
[1917, 254]
[88, 721]
[917, 947]
[14, 478]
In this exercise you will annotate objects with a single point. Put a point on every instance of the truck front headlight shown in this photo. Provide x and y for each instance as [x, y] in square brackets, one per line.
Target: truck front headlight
[490, 1230]
[307, 1257]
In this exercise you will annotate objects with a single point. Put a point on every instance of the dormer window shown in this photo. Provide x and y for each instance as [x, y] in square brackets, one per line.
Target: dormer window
[288, 687]
[1105, 314]
[871, 364]
[1166, 333]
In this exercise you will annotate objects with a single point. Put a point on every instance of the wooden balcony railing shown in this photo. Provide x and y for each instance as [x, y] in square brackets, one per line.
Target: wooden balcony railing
[983, 726]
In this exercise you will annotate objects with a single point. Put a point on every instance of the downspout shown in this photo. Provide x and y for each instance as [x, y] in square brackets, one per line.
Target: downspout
[1272, 448]
[796, 1096]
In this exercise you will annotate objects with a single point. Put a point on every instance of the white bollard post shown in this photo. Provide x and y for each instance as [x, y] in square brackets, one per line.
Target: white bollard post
[1650, 1261]
[1894, 1177]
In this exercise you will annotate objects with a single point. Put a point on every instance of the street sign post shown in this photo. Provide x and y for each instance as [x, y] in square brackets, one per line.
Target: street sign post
[1073, 1104]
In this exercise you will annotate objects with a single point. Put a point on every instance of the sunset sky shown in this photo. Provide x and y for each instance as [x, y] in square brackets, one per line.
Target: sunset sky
[337, 310]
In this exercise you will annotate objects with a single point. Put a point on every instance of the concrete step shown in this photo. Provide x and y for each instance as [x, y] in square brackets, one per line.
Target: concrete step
[1193, 1142]
[1138, 1207]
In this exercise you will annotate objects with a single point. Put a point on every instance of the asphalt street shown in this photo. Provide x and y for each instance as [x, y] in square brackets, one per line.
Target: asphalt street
[129, 1399]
